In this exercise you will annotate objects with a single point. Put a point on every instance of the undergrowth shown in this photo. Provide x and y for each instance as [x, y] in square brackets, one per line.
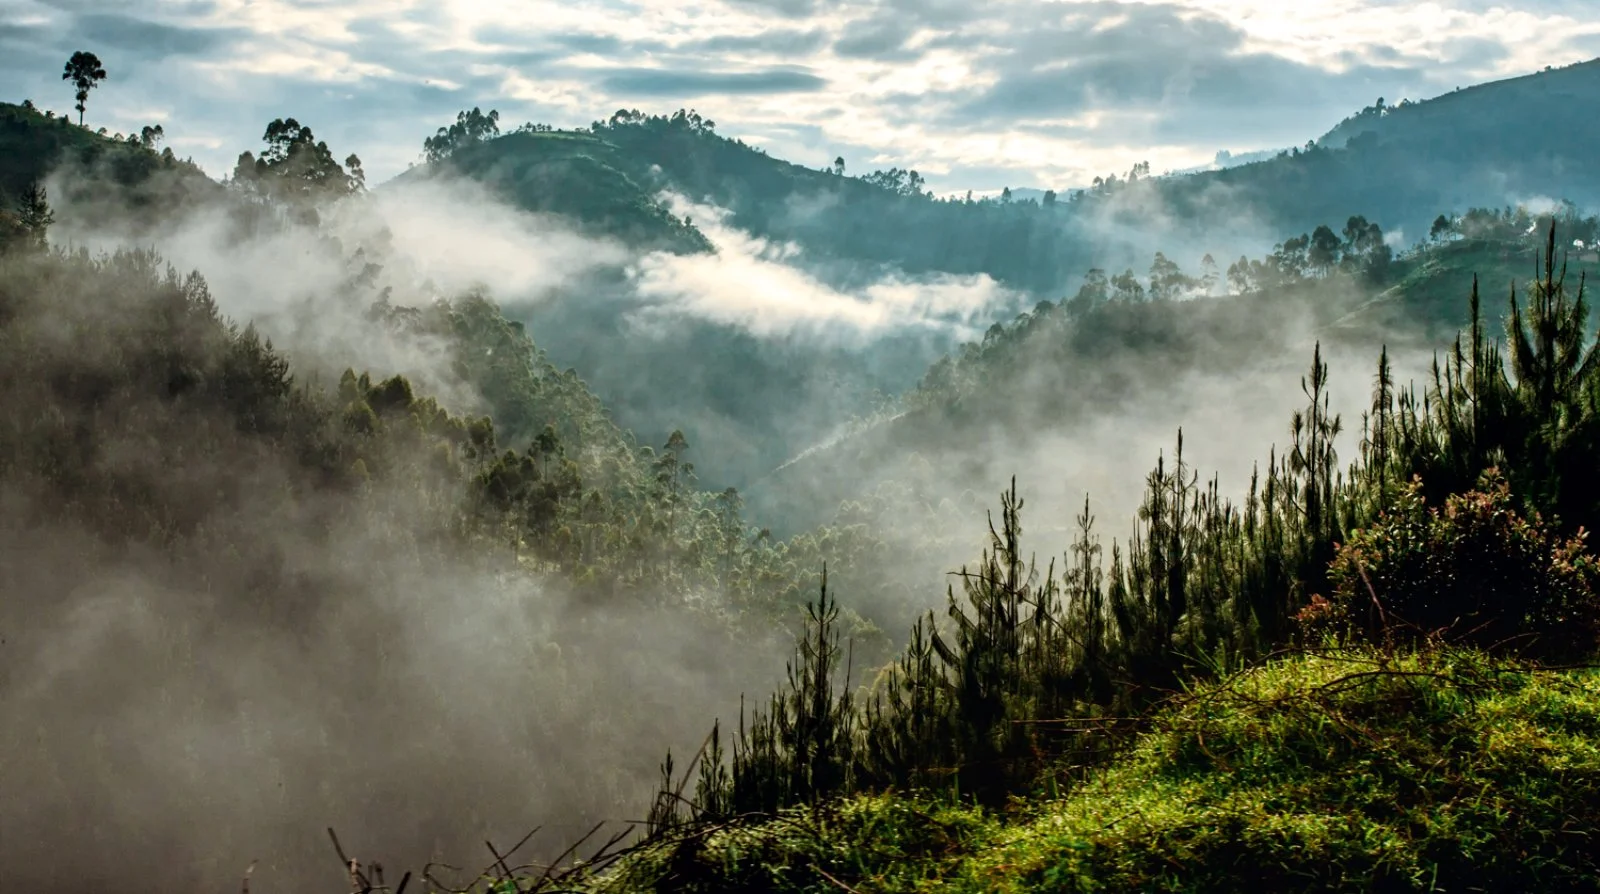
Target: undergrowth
[1441, 769]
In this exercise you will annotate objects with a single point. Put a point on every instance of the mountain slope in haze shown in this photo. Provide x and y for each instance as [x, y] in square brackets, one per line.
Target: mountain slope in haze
[1492, 145]
[1498, 144]
[1482, 111]
[419, 624]
[744, 398]
[149, 182]
[1079, 396]
[578, 176]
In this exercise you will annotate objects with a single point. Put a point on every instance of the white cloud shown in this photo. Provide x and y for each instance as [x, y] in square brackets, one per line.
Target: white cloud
[914, 85]
[760, 286]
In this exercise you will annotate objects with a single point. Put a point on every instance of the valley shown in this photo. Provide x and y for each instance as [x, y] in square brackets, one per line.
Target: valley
[437, 508]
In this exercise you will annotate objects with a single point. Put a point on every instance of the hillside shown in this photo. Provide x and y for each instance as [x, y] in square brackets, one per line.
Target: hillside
[578, 176]
[456, 556]
[1504, 143]
[202, 539]
[148, 182]
[1342, 772]
[1051, 391]
[1479, 111]
[1466, 149]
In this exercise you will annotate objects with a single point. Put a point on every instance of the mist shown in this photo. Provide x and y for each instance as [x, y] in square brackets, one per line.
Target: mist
[186, 713]
[310, 658]
[1092, 431]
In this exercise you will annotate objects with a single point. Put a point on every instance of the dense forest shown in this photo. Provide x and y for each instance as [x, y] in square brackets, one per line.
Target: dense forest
[363, 546]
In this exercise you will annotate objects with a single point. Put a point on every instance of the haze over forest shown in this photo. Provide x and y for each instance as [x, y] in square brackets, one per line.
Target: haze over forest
[421, 422]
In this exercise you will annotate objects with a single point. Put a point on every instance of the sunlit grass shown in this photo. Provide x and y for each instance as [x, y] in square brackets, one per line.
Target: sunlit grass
[1345, 771]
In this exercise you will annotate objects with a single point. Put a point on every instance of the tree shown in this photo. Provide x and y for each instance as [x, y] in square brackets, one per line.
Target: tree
[1096, 290]
[838, 166]
[470, 127]
[1126, 287]
[1167, 281]
[35, 215]
[1322, 254]
[1210, 275]
[1240, 280]
[151, 137]
[85, 72]
[1442, 226]
[298, 168]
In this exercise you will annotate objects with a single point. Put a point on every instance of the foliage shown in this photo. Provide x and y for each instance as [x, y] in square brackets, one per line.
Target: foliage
[1346, 771]
[154, 184]
[1031, 668]
[297, 169]
[85, 72]
[1476, 570]
[573, 174]
[470, 127]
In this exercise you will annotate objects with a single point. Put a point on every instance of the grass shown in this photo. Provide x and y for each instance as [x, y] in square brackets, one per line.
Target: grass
[1439, 771]
[1425, 289]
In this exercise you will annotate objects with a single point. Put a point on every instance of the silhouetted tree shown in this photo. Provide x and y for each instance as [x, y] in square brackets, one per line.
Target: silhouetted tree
[470, 127]
[85, 72]
[35, 215]
[298, 168]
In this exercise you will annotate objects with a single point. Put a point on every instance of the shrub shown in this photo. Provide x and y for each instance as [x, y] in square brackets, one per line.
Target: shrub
[1476, 572]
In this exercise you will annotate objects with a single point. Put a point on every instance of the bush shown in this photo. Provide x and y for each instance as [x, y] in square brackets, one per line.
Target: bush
[1476, 572]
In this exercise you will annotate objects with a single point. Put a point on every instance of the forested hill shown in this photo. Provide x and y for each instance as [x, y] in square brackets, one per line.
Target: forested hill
[1492, 145]
[149, 178]
[1077, 395]
[1468, 115]
[1399, 164]
[587, 180]
[1497, 144]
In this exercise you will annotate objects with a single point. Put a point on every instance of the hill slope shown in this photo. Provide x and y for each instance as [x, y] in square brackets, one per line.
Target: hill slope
[1079, 396]
[1334, 773]
[148, 182]
[1491, 145]
[578, 176]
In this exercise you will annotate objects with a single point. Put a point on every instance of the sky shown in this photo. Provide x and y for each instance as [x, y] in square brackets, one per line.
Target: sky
[974, 94]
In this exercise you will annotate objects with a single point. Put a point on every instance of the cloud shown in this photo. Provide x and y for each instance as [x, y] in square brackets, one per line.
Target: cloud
[152, 40]
[667, 83]
[1043, 93]
[762, 287]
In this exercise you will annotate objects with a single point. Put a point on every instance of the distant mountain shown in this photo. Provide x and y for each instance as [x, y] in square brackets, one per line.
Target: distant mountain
[1547, 99]
[1496, 144]
[1492, 145]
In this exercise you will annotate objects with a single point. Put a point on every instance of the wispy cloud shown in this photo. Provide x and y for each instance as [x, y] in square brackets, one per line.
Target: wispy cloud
[763, 287]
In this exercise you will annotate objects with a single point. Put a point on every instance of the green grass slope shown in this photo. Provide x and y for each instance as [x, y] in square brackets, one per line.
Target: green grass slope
[1424, 289]
[1347, 771]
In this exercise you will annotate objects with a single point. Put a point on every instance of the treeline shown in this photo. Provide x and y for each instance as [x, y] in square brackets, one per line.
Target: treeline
[1461, 517]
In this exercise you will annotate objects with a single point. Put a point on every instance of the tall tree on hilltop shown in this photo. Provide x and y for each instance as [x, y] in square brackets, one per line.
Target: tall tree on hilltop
[85, 72]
